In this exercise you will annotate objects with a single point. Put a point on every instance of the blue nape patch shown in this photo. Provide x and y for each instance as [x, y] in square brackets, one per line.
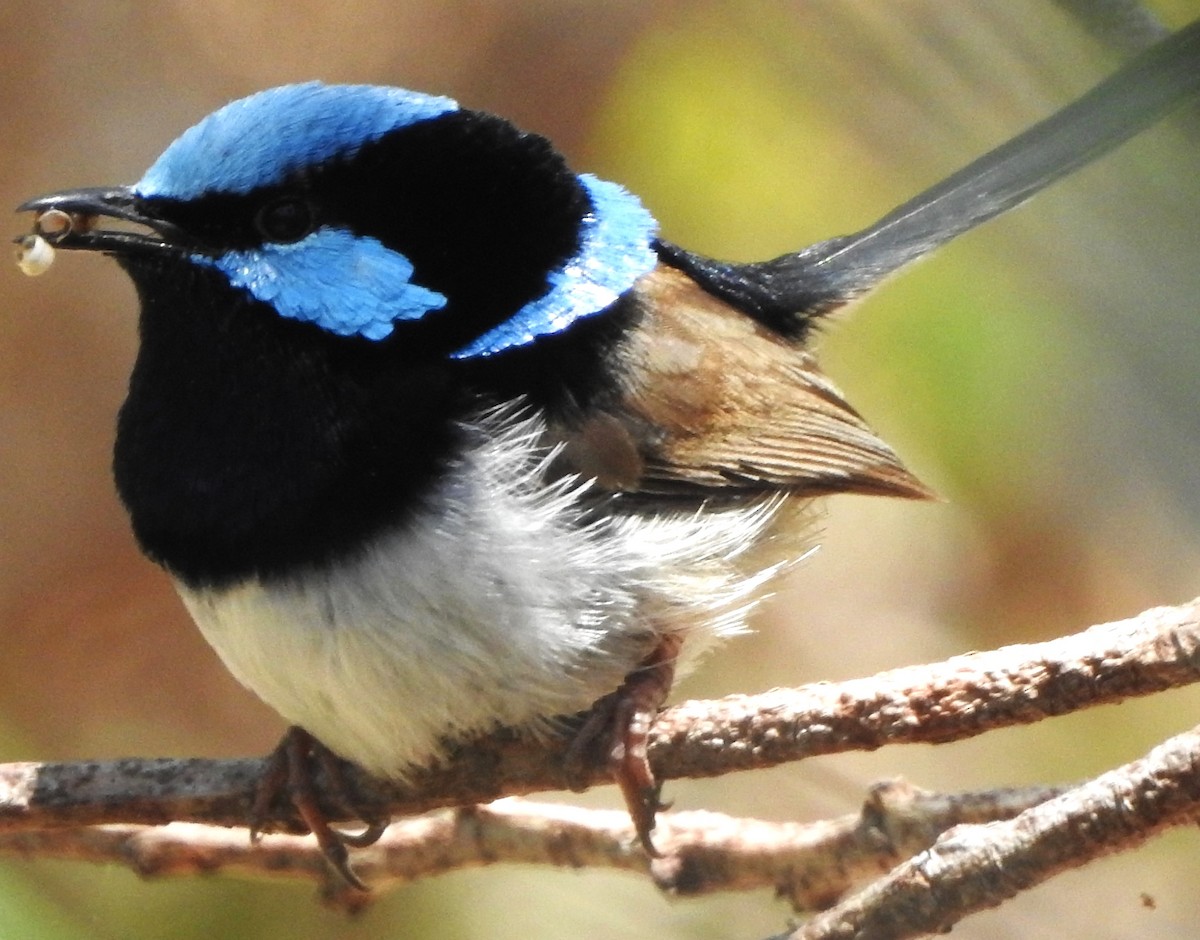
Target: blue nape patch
[347, 284]
[260, 140]
[614, 251]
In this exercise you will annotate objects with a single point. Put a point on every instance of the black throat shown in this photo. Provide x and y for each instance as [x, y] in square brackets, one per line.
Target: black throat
[250, 445]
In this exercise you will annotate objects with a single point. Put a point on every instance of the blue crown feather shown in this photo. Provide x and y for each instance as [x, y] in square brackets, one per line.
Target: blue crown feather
[233, 151]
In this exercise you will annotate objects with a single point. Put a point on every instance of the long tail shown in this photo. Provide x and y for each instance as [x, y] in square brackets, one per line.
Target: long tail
[788, 291]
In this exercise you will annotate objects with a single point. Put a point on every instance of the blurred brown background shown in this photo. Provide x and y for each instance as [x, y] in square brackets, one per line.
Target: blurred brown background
[1043, 374]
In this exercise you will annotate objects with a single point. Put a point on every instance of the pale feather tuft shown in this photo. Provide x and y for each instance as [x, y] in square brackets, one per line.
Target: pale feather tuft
[523, 597]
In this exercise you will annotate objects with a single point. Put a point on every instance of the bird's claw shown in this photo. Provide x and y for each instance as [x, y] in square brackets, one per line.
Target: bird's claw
[290, 772]
[620, 724]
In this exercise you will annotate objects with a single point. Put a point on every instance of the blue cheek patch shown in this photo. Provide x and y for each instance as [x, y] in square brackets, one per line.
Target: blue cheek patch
[261, 140]
[344, 283]
[614, 251]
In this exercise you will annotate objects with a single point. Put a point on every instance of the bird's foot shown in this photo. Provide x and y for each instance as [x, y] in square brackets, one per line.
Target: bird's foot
[617, 729]
[291, 772]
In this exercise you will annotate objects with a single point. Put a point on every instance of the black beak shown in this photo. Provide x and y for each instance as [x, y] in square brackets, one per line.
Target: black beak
[72, 219]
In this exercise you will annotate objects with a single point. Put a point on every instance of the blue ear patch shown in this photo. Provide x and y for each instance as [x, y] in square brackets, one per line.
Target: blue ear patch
[614, 251]
[347, 284]
[353, 285]
[260, 140]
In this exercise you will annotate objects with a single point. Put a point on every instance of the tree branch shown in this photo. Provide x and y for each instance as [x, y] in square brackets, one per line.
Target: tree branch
[812, 864]
[976, 867]
[959, 698]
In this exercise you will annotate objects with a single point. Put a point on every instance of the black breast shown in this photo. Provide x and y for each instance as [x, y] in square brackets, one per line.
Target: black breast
[253, 445]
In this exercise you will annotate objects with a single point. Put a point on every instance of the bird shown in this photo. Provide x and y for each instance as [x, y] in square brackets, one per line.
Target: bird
[435, 435]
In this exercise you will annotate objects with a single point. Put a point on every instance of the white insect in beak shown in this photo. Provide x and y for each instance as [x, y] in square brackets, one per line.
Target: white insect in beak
[35, 251]
[34, 255]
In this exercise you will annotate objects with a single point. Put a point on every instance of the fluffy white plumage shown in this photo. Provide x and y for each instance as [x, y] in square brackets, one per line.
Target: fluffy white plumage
[502, 608]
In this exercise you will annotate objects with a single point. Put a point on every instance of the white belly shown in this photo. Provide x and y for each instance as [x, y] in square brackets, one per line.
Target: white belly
[500, 609]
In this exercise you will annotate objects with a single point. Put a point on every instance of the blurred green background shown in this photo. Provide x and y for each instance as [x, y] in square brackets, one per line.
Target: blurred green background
[1043, 374]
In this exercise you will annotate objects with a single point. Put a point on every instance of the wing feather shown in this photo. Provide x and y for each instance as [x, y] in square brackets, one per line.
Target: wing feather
[711, 400]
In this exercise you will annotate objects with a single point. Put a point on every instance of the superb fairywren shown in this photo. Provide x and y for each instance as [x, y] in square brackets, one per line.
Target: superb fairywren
[435, 435]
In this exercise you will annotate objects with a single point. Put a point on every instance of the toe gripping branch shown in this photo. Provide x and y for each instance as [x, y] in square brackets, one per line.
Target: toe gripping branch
[615, 734]
[617, 730]
[291, 774]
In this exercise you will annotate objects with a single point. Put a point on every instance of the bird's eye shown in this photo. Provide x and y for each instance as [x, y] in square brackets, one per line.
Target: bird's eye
[287, 219]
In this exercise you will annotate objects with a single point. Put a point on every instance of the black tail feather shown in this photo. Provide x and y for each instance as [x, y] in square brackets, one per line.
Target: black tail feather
[788, 292]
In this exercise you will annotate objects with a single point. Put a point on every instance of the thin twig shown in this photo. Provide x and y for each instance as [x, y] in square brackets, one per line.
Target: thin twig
[811, 864]
[1124, 26]
[972, 868]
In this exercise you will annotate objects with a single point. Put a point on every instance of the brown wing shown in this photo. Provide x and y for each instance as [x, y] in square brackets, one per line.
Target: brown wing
[713, 400]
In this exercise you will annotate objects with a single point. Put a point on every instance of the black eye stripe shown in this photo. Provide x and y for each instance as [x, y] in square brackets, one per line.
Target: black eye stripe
[286, 219]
